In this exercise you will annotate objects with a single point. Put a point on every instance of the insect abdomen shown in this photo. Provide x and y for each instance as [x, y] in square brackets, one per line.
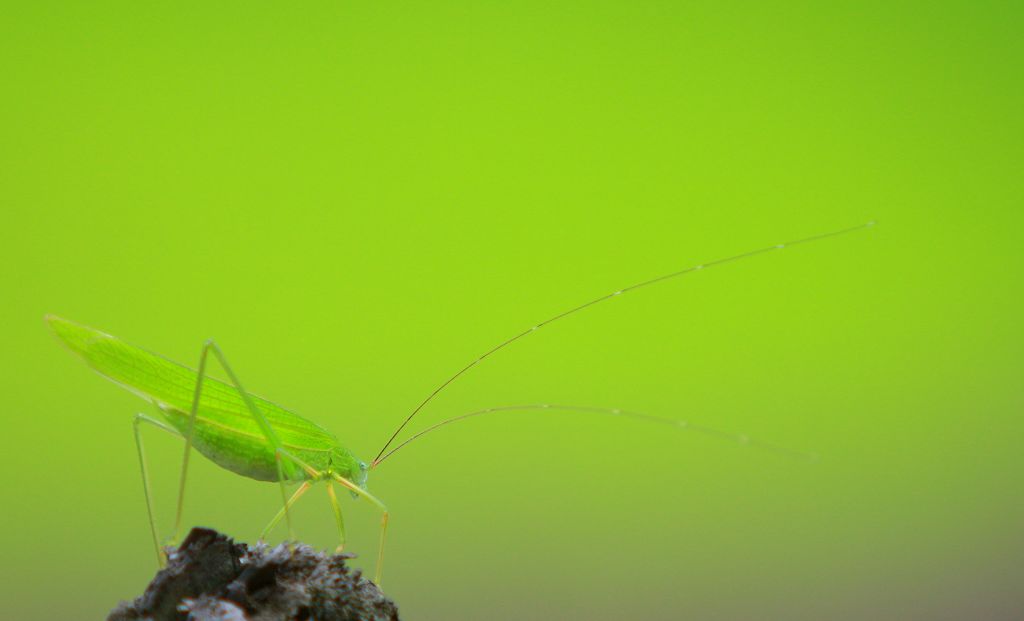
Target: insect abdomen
[245, 451]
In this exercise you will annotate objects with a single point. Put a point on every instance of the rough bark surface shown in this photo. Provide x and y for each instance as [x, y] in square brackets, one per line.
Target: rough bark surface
[211, 578]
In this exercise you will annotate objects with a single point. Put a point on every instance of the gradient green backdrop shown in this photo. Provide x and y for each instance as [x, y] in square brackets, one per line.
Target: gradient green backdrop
[356, 198]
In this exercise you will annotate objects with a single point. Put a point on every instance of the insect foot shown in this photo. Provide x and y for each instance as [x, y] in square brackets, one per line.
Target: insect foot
[209, 577]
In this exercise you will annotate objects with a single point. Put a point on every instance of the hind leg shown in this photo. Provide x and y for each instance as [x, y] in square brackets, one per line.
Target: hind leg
[142, 418]
[285, 469]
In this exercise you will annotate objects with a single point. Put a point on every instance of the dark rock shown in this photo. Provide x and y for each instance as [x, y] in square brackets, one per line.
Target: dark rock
[209, 577]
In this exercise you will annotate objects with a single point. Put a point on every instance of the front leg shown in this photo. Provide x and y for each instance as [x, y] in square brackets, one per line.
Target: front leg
[383, 522]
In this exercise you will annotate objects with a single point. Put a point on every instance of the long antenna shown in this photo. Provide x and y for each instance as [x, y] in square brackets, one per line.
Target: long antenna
[739, 438]
[609, 296]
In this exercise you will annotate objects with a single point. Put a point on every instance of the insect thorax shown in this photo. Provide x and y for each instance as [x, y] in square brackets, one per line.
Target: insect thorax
[345, 464]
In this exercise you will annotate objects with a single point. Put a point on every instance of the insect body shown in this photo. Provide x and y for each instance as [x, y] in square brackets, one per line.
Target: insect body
[258, 439]
[238, 431]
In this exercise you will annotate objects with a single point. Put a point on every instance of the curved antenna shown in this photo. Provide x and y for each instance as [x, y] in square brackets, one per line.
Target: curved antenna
[609, 296]
[738, 438]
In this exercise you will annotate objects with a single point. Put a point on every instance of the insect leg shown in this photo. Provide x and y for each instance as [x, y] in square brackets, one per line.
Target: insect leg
[285, 470]
[142, 418]
[337, 515]
[383, 521]
[314, 475]
[280, 514]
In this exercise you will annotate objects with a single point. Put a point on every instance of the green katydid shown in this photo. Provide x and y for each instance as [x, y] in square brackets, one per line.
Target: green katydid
[255, 438]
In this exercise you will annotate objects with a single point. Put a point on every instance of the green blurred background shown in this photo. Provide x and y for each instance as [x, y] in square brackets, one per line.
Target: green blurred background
[357, 198]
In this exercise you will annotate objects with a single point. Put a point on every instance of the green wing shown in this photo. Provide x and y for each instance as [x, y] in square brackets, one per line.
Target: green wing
[171, 386]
